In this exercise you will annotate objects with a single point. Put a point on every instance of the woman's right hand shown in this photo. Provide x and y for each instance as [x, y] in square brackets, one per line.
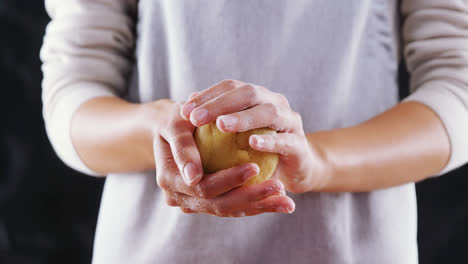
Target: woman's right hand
[180, 175]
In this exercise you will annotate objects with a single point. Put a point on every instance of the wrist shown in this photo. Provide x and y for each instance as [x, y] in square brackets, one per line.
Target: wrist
[151, 118]
[331, 176]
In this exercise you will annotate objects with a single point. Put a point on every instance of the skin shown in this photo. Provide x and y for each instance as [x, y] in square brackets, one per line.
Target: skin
[407, 143]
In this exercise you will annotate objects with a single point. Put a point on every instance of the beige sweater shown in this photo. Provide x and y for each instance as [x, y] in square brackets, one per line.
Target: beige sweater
[346, 49]
[87, 52]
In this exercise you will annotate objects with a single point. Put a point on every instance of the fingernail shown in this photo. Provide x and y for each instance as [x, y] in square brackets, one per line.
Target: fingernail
[229, 122]
[190, 173]
[258, 141]
[187, 109]
[199, 116]
[284, 209]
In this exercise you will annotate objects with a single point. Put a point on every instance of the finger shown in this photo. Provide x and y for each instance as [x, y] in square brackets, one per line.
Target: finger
[166, 169]
[251, 199]
[279, 204]
[168, 176]
[282, 143]
[272, 204]
[264, 190]
[223, 181]
[230, 102]
[235, 100]
[204, 96]
[169, 198]
[247, 200]
[187, 157]
[193, 95]
[269, 115]
[213, 184]
[184, 150]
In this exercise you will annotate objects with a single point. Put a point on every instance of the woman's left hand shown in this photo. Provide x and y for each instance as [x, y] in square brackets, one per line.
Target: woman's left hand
[237, 106]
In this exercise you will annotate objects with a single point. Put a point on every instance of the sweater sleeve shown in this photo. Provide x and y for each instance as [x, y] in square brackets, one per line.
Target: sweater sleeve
[86, 53]
[435, 35]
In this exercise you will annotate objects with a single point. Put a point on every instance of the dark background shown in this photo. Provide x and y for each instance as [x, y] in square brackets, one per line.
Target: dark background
[48, 212]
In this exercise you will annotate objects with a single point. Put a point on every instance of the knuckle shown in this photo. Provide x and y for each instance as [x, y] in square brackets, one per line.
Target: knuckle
[282, 99]
[177, 126]
[251, 92]
[162, 182]
[170, 200]
[181, 140]
[178, 152]
[286, 145]
[251, 88]
[298, 118]
[295, 185]
[229, 83]
[291, 142]
[170, 128]
[202, 192]
[273, 109]
[294, 121]
[276, 186]
[220, 210]
[181, 146]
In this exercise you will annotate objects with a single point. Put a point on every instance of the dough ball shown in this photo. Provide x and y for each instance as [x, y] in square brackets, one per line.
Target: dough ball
[219, 150]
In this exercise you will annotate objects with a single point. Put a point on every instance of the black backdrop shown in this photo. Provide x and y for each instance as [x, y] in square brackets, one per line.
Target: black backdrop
[48, 212]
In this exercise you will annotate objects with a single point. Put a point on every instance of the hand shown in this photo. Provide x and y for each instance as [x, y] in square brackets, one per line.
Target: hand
[218, 193]
[238, 106]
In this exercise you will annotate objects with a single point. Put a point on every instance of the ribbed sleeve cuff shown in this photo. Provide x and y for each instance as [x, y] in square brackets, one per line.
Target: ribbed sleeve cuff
[58, 117]
[448, 101]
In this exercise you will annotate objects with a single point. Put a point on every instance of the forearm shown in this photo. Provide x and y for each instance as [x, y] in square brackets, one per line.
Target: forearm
[407, 143]
[111, 135]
